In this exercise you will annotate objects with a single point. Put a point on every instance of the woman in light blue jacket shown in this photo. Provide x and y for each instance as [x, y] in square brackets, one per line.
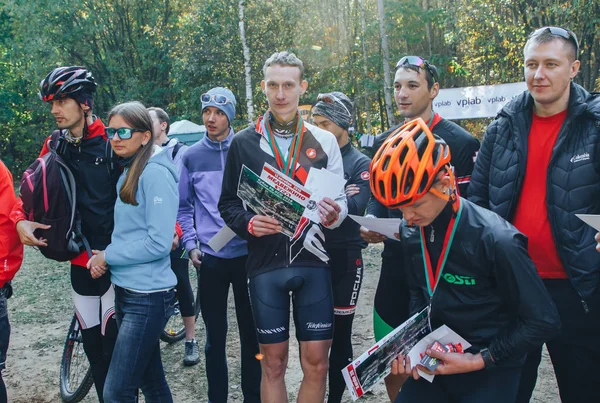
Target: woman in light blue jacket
[138, 256]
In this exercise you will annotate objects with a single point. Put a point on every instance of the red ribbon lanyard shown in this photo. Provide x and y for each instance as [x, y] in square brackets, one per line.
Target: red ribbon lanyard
[287, 166]
[432, 280]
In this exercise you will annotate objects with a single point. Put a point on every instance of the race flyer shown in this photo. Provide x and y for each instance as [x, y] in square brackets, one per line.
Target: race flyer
[375, 364]
[410, 338]
[285, 184]
[265, 199]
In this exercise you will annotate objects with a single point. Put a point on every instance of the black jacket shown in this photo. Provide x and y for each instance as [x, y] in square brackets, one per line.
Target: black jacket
[96, 173]
[250, 148]
[463, 149]
[573, 178]
[490, 292]
[356, 172]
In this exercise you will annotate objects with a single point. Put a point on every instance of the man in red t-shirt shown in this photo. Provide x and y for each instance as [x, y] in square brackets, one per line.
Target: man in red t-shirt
[538, 166]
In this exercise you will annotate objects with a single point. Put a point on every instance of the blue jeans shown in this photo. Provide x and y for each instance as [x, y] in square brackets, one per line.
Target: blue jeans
[136, 361]
[216, 274]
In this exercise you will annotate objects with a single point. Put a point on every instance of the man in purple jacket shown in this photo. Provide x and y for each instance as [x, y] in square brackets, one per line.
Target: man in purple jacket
[199, 192]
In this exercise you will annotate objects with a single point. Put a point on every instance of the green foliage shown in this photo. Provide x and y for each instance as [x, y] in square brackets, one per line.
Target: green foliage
[168, 52]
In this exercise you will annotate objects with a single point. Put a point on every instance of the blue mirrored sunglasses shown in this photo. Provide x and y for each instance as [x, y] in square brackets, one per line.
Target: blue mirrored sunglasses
[124, 133]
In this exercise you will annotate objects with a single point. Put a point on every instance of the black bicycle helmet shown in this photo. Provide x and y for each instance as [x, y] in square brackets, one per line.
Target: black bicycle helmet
[66, 82]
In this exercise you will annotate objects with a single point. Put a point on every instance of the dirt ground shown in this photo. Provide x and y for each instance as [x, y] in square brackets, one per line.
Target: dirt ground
[41, 310]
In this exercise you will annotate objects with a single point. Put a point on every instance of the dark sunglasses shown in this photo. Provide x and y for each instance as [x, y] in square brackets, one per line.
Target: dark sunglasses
[332, 99]
[418, 62]
[558, 31]
[217, 98]
[124, 133]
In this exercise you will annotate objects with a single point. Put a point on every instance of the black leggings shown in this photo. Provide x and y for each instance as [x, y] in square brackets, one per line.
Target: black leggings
[184, 292]
[346, 278]
[98, 348]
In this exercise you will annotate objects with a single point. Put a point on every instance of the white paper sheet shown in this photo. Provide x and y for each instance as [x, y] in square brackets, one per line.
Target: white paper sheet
[444, 335]
[321, 183]
[592, 220]
[221, 238]
[385, 226]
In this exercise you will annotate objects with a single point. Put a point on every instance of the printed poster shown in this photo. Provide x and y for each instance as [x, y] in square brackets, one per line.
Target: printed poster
[265, 199]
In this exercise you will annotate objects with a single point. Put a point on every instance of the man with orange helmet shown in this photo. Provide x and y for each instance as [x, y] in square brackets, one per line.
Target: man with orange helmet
[469, 266]
[416, 85]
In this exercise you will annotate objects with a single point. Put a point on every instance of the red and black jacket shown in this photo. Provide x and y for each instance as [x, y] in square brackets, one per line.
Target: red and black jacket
[96, 174]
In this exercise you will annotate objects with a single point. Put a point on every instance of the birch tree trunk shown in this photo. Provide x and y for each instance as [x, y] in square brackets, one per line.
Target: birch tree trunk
[249, 103]
[363, 23]
[387, 89]
[428, 30]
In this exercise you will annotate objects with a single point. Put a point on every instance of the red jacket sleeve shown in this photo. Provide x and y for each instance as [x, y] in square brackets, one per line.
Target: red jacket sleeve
[178, 230]
[18, 214]
[11, 249]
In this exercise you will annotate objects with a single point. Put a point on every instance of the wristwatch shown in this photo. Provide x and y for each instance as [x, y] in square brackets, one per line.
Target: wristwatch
[488, 361]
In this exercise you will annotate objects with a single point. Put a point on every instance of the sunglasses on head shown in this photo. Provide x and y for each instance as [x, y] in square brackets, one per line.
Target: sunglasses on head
[558, 31]
[124, 133]
[216, 98]
[332, 99]
[418, 62]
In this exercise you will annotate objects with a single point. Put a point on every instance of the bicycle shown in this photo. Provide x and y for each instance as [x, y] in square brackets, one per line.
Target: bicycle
[75, 372]
[174, 330]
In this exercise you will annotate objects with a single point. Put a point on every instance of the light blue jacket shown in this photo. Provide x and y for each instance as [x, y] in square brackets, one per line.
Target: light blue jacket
[138, 254]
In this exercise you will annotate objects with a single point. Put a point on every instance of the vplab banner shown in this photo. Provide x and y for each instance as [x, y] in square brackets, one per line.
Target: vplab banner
[475, 102]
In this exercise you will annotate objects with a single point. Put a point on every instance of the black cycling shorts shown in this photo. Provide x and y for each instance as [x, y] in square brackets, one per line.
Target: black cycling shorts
[310, 288]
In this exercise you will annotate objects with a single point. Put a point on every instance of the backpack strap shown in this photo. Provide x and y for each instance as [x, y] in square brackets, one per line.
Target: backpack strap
[69, 184]
[176, 149]
[75, 224]
[111, 157]
[57, 142]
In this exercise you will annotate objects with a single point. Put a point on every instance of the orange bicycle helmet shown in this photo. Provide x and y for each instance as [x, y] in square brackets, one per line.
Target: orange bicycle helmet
[406, 165]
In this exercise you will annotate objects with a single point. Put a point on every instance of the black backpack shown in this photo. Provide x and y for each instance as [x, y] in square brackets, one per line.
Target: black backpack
[49, 195]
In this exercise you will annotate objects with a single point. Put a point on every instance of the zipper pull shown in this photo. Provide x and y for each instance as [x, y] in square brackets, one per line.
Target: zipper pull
[585, 306]
[432, 236]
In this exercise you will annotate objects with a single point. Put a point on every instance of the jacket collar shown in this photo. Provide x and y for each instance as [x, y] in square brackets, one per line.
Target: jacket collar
[346, 148]
[219, 145]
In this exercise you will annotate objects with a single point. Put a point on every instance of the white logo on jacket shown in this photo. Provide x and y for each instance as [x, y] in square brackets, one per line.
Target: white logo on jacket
[157, 200]
[580, 157]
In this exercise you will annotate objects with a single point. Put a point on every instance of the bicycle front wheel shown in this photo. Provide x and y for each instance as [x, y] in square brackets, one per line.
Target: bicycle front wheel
[75, 373]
